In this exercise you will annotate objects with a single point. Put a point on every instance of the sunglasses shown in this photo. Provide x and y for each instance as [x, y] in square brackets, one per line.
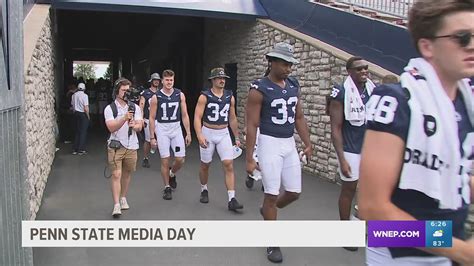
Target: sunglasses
[463, 38]
[360, 68]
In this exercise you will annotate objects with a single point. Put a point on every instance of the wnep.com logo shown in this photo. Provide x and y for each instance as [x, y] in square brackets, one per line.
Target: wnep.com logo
[409, 233]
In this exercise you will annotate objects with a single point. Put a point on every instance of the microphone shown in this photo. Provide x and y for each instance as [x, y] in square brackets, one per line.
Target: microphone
[131, 108]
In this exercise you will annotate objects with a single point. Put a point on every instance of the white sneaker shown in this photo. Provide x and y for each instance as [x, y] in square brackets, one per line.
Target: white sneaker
[116, 212]
[123, 204]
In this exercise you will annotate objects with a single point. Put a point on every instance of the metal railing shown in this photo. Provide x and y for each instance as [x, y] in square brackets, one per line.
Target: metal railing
[398, 8]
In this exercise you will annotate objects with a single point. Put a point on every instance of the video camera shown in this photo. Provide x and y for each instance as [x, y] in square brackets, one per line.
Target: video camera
[132, 95]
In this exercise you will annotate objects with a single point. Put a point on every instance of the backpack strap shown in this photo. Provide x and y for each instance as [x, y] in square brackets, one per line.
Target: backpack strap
[113, 106]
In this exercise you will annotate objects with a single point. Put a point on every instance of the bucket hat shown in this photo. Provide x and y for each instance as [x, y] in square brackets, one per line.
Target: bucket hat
[283, 51]
[154, 76]
[217, 72]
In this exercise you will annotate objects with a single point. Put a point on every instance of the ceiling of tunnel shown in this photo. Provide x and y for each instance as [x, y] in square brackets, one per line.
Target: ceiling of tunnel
[104, 34]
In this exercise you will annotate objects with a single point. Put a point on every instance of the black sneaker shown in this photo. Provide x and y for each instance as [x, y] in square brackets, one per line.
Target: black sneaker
[249, 182]
[274, 254]
[234, 205]
[145, 163]
[204, 196]
[167, 193]
[173, 182]
[352, 249]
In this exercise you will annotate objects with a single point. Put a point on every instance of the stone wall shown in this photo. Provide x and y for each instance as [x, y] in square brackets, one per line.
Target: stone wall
[246, 43]
[41, 125]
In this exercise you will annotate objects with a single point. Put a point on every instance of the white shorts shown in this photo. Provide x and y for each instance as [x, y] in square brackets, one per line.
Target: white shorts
[280, 164]
[353, 159]
[381, 256]
[216, 139]
[170, 136]
[255, 155]
[146, 129]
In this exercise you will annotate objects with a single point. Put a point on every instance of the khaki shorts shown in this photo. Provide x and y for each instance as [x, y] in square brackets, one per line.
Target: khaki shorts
[122, 159]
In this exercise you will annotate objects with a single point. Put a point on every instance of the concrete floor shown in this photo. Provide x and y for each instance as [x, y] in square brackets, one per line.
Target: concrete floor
[77, 190]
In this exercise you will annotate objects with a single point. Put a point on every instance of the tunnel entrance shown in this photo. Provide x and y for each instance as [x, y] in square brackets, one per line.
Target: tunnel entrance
[142, 38]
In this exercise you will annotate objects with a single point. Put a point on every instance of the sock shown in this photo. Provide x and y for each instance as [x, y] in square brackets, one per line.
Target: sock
[122, 198]
[203, 187]
[167, 186]
[171, 173]
[145, 158]
[231, 194]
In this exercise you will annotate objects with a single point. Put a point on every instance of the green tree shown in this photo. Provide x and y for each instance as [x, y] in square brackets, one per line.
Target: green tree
[108, 72]
[87, 71]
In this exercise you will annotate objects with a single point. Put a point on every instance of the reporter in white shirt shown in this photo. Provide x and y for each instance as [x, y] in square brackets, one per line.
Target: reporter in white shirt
[122, 144]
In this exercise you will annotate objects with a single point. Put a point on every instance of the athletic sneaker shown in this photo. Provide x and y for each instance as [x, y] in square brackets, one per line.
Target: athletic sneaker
[82, 152]
[117, 211]
[145, 163]
[74, 153]
[234, 205]
[274, 254]
[204, 196]
[167, 193]
[124, 204]
[249, 182]
[173, 182]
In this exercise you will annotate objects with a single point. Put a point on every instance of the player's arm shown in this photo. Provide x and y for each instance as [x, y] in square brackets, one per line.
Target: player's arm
[253, 108]
[336, 114]
[303, 130]
[152, 116]
[472, 188]
[198, 113]
[234, 125]
[141, 103]
[185, 117]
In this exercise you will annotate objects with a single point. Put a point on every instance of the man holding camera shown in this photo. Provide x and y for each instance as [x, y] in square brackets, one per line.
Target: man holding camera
[167, 110]
[123, 119]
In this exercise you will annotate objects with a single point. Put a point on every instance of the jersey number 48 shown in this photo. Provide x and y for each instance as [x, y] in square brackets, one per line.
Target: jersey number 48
[381, 109]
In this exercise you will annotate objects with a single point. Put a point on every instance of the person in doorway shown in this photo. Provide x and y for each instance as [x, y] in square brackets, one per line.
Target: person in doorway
[145, 97]
[167, 110]
[347, 112]
[418, 148]
[80, 104]
[123, 122]
[214, 112]
[274, 106]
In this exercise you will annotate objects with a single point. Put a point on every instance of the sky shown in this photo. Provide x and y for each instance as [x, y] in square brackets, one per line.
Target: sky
[100, 67]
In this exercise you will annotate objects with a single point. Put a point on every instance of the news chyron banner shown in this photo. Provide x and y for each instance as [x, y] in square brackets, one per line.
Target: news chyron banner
[432, 234]
[193, 233]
